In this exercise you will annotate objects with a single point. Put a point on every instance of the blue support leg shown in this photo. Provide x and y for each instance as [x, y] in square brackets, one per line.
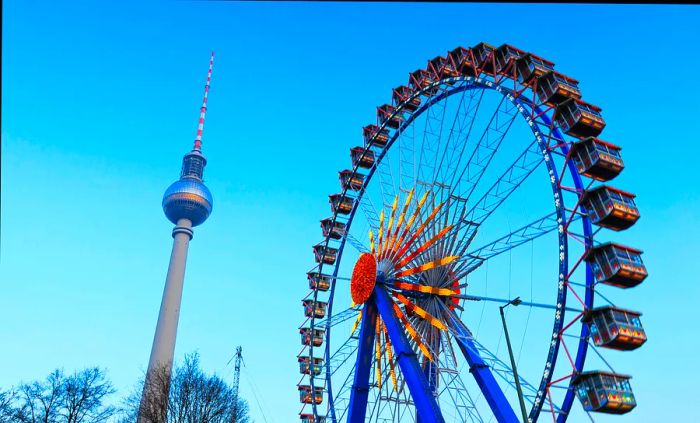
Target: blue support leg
[426, 406]
[363, 366]
[480, 370]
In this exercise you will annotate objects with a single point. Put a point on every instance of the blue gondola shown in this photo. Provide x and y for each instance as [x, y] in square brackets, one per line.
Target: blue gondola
[374, 137]
[386, 115]
[604, 392]
[616, 265]
[504, 56]
[420, 80]
[597, 159]
[318, 281]
[362, 157]
[462, 61]
[332, 229]
[401, 95]
[531, 67]
[309, 366]
[306, 396]
[554, 88]
[340, 203]
[325, 254]
[484, 58]
[351, 180]
[616, 328]
[610, 207]
[579, 119]
[308, 336]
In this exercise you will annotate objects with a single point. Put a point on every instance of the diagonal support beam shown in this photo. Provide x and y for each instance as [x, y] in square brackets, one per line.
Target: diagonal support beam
[360, 386]
[423, 398]
[480, 370]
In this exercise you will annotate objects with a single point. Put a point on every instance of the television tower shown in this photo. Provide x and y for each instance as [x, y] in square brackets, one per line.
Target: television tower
[186, 203]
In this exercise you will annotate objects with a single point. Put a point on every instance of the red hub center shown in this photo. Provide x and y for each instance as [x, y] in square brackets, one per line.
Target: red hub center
[363, 278]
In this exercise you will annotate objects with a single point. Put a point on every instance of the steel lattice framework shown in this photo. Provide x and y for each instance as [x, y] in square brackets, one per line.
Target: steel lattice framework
[424, 197]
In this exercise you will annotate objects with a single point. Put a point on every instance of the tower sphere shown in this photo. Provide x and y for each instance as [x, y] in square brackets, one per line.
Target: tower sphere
[187, 198]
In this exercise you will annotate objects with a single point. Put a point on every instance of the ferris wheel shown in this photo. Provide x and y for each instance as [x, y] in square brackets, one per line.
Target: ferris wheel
[465, 272]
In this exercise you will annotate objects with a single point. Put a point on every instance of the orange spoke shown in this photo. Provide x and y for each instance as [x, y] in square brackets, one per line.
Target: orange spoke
[412, 332]
[420, 230]
[371, 240]
[410, 306]
[426, 289]
[423, 247]
[426, 266]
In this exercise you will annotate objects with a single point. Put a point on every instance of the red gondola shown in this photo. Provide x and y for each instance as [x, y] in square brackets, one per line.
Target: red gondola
[484, 58]
[340, 203]
[314, 308]
[402, 95]
[421, 79]
[362, 157]
[441, 68]
[351, 180]
[504, 56]
[597, 159]
[332, 229]
[324, 254]
[616, 265]
[604, 392]
[319, 281]
[462, 62]
[531, 67]
[579, 119]
[309, 418]
[615, 328]
[306, 396]
[386, 114]
[554, 87]
[377, 137]
[308, 366]
[307, 338]
[610, 207]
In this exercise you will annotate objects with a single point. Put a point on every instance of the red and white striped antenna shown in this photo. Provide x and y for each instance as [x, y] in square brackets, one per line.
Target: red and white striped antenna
[203, 110]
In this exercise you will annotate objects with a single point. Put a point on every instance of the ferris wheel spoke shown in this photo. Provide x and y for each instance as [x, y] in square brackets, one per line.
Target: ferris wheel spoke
[516, 238]
[434, 118]
[454, 139]
[481, 156]
[507, 183]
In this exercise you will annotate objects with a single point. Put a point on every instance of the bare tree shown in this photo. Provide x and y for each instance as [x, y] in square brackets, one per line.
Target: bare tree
[193, 397]
[7, 409]
[78, 398]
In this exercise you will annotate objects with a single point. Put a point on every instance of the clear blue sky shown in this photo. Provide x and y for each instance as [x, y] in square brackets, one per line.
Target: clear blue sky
[100, 101]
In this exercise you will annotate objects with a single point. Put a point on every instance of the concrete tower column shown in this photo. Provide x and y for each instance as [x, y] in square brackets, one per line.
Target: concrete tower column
[163, 349]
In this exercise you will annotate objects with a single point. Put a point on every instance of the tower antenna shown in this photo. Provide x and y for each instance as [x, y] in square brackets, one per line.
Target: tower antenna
[203, 110]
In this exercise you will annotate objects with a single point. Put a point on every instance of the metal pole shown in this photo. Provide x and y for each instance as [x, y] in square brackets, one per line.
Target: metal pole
[512, 361]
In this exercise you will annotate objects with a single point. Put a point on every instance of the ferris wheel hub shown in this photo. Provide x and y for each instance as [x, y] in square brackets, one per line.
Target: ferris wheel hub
[364, 277]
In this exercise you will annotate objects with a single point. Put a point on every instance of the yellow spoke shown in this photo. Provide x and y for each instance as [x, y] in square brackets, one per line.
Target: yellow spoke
[391, 222]
[426, 289]
[357, 322]
[390, 357]
[400, 222]
[381, 233]
[410, 221]
[426, 266]
[410, 306]
[412, 332]
[371, 241]
[378, 351]
[423, 247]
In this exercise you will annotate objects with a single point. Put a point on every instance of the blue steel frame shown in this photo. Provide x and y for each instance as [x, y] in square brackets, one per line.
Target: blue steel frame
[480, 83]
